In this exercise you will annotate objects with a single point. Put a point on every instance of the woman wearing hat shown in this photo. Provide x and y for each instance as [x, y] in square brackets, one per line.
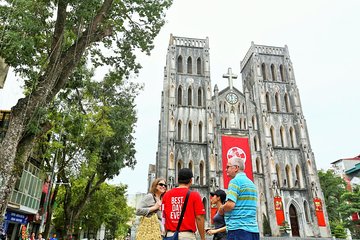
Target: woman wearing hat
[218, 198]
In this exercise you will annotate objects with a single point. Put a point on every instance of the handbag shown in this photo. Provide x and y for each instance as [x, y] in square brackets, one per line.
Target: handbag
[176, 233]
[149, 228]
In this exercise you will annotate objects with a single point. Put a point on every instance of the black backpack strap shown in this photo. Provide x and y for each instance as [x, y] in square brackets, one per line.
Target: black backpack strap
[183, 211]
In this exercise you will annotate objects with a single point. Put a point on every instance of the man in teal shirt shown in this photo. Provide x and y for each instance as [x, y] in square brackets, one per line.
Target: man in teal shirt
[241, 203]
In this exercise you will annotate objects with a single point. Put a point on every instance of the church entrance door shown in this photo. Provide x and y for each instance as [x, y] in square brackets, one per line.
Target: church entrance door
[294, 223]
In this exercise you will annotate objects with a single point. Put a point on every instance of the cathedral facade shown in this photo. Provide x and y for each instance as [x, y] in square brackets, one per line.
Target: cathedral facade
[267, 113]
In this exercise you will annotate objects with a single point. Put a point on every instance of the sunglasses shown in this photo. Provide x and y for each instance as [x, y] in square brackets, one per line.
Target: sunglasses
[162, 185]
[227, 167]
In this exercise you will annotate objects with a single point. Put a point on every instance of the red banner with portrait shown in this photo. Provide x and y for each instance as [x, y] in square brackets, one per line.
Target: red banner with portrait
[319, 212]
[236, 146]
[279, 210]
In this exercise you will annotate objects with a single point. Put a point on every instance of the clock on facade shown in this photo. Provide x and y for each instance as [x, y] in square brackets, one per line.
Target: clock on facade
[232, 98]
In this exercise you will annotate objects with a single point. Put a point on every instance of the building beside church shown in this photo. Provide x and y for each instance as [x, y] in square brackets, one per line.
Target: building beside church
[201, 126]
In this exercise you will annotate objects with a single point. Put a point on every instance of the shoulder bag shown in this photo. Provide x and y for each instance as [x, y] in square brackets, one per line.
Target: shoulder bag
[149, 227]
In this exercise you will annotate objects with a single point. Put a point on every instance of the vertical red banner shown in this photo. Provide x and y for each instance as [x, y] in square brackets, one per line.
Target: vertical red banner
[279, 210]
[236, 147]
[319, 212]
[213, 210]
[355, 216]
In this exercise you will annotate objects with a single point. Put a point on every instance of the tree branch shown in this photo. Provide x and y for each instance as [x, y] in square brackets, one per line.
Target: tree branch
[79, 101]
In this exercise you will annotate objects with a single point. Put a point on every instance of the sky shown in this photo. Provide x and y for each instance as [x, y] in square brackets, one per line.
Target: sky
[323, 40]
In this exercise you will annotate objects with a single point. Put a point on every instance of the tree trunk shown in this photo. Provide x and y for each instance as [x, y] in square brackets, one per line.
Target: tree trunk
[15, 149]
[8, 151]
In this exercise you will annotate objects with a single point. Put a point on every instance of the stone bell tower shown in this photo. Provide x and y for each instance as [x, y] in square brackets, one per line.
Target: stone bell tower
[185, 126]
[289, 175]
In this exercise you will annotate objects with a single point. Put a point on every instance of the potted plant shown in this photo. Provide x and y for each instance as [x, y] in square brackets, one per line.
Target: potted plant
[285, 229]
[266, 227]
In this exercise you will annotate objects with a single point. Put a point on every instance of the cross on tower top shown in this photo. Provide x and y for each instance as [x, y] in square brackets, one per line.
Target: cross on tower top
[230, 76]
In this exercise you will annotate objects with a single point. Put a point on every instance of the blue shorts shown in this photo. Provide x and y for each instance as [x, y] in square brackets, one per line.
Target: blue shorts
[242, 235]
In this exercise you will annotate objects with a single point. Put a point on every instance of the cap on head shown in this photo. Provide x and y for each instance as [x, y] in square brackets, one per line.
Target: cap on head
[220, 193]
[185, 175]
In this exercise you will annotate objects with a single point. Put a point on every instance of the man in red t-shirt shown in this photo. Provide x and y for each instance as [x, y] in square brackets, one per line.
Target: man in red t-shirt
[172, 203]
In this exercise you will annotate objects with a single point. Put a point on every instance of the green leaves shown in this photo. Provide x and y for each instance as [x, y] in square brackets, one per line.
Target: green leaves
[333, 187]
[340, 203]
[350, 204]
[29, 28]
[50, 44]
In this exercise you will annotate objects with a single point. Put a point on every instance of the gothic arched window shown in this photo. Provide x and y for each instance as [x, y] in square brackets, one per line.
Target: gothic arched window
[292, 137]
[202, 173]
[277, 102]
[190, 131]
[288, 175]
[191, 165]
[200, 132]
[278, 174]
[199, 97]
[272, 132]
[179, 166]
[258, 166]
[189, 96]
[283, 136]
[254, 123]
[189, 65]
[307, 211]
[268, 103]
[225, 123]
[263, 71]
[179, 130]
[287, 104]
[180, 64]
[198, 66]
[179, 95]
[298, 176]
[256, 144]
[282, 73]
[273, 72]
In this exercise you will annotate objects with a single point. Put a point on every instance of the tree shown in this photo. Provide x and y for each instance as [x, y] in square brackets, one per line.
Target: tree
[350, 204]
[339, 231]
[333, 187]
[94, 140]
[44, 41]
[284, 228]
[107, 206]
